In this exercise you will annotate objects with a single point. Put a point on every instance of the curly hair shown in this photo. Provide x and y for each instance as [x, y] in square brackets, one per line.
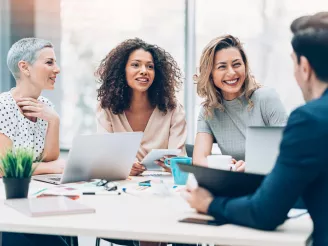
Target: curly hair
[115, 94]
[205, 85]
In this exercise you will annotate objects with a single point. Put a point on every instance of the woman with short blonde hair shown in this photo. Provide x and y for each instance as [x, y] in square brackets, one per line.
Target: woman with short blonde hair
[29, 120]
[233, 100]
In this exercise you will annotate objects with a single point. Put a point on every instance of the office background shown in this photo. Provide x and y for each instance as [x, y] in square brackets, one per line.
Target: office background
[84, 31]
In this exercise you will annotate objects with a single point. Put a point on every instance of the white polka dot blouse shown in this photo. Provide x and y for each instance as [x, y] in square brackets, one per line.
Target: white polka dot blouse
[22, 131]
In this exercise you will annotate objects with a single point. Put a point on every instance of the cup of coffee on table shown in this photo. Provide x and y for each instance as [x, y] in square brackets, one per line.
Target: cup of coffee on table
[222, 162]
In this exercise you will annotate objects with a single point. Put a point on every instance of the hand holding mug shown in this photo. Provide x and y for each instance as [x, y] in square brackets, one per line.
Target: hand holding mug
[161, 163]
[240, 166]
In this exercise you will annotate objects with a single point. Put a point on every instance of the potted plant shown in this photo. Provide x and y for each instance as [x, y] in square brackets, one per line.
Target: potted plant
[16, 167]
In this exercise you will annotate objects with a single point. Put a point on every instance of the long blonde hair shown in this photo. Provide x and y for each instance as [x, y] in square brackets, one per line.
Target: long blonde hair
[205, 85]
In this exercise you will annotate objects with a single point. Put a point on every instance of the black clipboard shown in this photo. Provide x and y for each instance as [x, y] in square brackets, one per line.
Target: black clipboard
[224, 183]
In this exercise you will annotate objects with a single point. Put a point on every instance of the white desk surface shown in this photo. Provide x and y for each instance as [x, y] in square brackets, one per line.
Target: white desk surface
[148, 217]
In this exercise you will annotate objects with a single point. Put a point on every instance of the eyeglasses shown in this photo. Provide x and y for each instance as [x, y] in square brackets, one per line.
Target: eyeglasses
[109, 186]
[102, 182]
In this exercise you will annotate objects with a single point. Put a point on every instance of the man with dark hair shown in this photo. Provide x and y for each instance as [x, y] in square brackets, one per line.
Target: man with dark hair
[301, 169]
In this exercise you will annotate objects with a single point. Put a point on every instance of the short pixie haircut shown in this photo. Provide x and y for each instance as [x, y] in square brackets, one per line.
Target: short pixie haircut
[26, 49]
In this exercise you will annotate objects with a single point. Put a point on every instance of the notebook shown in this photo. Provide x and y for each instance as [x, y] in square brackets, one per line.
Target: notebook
[46, 206]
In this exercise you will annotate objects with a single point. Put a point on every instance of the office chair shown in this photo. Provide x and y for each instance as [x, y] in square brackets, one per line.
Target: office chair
[98, 242]
[189, 149]
[115, 241]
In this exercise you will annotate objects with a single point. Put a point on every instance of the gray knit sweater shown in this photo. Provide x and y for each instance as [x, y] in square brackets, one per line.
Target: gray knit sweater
[229, 127]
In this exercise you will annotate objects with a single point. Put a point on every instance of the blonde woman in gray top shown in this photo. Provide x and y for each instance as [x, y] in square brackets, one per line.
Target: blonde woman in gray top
[233, 101]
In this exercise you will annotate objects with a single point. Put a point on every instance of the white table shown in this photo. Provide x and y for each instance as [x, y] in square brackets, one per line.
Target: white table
[148, 217]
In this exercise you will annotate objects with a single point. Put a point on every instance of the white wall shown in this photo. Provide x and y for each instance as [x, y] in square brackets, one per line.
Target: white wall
[48, 26]
[4, 45]
[90, 29]
[84, 31]
[264, 28]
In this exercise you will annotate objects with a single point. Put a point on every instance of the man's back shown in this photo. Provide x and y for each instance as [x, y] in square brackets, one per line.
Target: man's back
[300, 171]
[315, 194]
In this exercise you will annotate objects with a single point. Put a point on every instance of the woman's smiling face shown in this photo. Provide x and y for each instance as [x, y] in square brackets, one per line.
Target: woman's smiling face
[44, 70]
[229, 72]
[140, 70]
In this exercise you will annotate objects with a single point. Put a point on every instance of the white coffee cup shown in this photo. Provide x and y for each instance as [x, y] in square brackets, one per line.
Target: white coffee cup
[222, 162]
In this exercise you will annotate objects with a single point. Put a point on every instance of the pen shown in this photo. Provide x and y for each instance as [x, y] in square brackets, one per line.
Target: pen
[38, 192]
[126, 192]
[134, 192]
[101, 193]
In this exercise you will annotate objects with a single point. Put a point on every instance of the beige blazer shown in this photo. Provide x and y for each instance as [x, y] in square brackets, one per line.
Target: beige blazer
[167, 131]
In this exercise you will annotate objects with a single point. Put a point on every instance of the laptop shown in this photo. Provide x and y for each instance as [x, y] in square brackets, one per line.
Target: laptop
[262, 148]
[108, 156]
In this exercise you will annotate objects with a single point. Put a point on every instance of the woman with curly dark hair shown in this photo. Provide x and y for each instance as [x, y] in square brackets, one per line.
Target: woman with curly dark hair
[137, 93]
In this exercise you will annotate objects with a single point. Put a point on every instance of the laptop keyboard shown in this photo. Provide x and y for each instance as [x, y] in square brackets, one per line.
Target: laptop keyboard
[55, 179]
[49, 177]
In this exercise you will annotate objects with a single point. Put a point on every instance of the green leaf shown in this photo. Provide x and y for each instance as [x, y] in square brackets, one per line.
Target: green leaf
[17, 163]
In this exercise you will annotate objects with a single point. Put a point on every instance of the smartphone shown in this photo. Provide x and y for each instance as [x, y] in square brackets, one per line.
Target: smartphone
[144, 183]
[202, 221]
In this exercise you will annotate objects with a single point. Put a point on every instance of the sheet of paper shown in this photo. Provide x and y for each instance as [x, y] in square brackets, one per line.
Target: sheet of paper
[157, 154]
[294, 213]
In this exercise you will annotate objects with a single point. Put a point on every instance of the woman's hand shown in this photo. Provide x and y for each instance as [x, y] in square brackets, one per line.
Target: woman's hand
[57, 166]
[137, 169]
[33, 108]
[161, 163]
[239, 165]
[50, 167]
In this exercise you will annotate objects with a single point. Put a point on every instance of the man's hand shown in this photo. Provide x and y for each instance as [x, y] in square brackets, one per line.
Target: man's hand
[198, 198]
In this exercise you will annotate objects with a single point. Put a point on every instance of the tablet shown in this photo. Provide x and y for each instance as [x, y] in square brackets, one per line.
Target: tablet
[224, 183]
[156, 154]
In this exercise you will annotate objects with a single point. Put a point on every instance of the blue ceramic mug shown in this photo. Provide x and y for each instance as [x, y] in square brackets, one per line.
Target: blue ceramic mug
[180, 177]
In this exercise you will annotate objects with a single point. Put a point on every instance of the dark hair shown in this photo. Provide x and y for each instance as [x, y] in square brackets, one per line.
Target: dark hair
[311, 41]
[114, 92]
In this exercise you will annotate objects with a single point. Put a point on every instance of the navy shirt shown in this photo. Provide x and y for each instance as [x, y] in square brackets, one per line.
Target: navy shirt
[301, 170]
